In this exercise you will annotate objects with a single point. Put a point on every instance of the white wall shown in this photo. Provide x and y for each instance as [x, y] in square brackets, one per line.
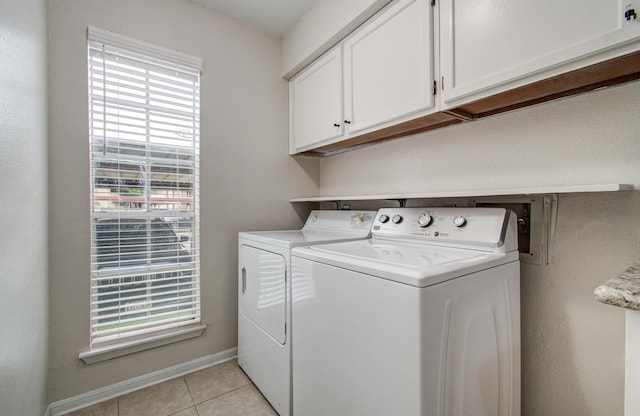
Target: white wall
[573, 346]
[23, 207]
[247, 175]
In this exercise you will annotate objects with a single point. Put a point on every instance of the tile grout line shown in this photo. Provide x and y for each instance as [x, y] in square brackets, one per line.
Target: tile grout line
[175, 379]
[184, 380]
[187, 408]
[249, 382]
[195, 407]
[222, 394]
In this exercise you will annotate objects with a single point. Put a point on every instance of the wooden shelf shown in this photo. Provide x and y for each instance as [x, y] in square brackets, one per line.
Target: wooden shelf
[614, 187]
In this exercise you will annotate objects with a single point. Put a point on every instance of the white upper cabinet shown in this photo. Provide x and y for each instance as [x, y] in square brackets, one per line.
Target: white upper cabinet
[487, 56]
[389, 67]
[316, 103]
[491, 46]
[387, 73]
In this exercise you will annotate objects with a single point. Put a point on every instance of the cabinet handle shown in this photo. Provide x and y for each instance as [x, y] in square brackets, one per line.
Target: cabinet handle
[336, 125]
[244, 280]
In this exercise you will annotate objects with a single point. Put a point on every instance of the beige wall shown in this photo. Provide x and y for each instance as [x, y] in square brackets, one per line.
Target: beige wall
[247, 175]
[573, 346]
[592, 138]
[23, 207]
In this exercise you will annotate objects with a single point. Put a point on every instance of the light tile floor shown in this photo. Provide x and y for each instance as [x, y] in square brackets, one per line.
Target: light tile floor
[221, 390]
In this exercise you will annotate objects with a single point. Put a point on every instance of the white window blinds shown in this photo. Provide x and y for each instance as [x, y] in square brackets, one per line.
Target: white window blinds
[144, 112]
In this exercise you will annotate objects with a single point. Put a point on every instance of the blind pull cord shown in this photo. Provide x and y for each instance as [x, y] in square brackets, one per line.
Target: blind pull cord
[104, 101]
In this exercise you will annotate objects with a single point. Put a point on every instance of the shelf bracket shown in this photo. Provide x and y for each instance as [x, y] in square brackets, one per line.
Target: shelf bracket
[537, 216]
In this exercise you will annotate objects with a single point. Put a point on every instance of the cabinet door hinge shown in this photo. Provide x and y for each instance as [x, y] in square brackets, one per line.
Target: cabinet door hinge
[433, 2]
[435, 87]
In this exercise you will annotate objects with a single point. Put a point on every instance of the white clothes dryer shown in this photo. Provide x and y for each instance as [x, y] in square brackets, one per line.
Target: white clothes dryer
[423, 319]
[264, 296]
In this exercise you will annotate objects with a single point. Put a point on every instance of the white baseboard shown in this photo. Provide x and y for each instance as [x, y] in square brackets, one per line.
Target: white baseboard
[71, 404]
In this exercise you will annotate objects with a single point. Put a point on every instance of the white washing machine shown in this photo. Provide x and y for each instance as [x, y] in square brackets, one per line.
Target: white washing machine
[423, 319]
[264, 296]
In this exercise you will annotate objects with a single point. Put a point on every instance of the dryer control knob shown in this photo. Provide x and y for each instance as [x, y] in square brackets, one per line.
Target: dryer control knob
[396, 219]
[425, 220]
[383, 218]
[459, 221]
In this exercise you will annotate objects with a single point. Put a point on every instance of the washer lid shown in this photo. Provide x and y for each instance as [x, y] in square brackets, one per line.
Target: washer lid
[413, 264]
[320, 227]
[295, 238]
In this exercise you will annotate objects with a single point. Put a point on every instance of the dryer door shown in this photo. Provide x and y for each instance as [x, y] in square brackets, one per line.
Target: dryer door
[262, 289]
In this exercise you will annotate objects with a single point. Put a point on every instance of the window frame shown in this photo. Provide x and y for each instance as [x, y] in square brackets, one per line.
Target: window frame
[171, 251]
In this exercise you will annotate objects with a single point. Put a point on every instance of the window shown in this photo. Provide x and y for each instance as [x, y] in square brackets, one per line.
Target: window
[144, 112]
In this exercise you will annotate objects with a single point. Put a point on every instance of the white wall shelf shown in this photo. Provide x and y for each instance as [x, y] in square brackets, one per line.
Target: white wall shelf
[612, 187]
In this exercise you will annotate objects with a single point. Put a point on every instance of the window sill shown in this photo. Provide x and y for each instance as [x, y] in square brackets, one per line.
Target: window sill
[108, 352]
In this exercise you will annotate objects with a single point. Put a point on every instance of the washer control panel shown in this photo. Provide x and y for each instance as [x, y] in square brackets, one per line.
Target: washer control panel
[486, 227]
[330, 220]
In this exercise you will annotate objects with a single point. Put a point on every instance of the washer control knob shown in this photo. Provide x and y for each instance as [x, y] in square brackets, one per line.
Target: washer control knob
[459, 221]
[396, 219]
[384, 218]
[425, 220]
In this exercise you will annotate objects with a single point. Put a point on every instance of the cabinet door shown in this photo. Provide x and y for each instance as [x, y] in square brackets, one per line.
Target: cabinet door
[491, 46]
[389, 66]
[315, 99]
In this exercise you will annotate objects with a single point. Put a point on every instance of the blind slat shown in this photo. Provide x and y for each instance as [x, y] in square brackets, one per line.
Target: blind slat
[144, 141]
[113, 309]
[185, 289]
[149, 327]
[136, 113]
[145, 92]
[133, 320]
[133, 123]
[166, 111]
[125, 272]
[118, 75]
